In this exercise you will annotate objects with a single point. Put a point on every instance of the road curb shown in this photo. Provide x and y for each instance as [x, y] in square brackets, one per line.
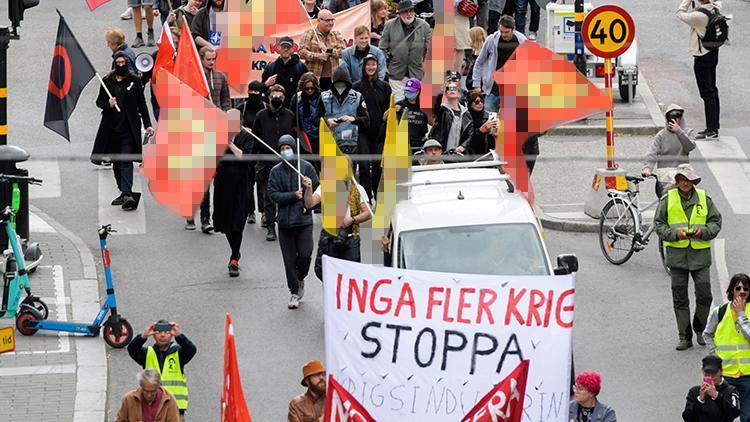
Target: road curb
[651, 104]
[574, 226]
[91, 358]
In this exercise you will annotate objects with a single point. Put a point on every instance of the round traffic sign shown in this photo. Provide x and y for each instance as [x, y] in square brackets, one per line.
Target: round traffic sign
[608, 31]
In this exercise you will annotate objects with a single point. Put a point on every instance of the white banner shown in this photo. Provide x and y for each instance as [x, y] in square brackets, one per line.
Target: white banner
[417, 345]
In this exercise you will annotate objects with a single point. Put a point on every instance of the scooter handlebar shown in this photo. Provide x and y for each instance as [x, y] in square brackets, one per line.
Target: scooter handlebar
[5, 178]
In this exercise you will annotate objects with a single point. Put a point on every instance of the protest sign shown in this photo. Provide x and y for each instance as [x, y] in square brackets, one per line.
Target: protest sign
[417, 345]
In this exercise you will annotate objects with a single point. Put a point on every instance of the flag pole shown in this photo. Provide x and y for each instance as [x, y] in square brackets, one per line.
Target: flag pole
[315, 31]
[106, 90]
[271, 149]
[299, 172]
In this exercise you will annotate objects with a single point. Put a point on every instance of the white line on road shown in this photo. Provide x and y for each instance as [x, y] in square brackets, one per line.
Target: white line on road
[125, 222]
[49, 172]
[721, 264]
[37, 370]
[731, 175]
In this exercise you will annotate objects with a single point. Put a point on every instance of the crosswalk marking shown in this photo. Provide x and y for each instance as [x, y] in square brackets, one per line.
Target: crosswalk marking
[733, 176]
[49, 172]
[125, 222]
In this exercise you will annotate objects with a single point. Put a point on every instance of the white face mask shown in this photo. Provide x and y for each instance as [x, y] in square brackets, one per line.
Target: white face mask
[340, 87]
[408, 21]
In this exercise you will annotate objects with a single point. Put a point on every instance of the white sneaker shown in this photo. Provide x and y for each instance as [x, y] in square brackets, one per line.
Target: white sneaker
[293, 302]
[532, 36]
[127, 14]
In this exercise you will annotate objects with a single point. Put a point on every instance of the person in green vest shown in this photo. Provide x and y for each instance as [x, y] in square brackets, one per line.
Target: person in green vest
[727, 335]
[688, 244]
[169, 354]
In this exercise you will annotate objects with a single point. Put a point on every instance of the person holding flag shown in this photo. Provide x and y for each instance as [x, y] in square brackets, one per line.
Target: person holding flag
[310, 406]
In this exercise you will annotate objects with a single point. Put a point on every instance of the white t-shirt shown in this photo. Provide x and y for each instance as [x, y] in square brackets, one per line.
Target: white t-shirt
[362, 198]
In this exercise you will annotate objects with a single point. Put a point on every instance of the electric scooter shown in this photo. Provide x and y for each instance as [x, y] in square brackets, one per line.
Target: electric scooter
[17, 282]
[117, 331]
[32, 254]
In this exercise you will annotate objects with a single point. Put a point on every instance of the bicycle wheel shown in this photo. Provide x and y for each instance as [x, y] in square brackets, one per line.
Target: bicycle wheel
[663, 256]
[616, 232]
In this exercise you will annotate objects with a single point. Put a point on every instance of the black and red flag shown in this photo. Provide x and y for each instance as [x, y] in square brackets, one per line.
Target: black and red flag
[71, 71]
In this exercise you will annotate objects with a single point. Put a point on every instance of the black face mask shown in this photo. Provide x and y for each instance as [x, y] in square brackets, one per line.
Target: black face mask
[253, 99]
[121, 70]
[277, 102]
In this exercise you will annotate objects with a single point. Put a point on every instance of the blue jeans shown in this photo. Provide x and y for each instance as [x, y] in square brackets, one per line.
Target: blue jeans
[492, 103]
[742, 384]
[521, 16]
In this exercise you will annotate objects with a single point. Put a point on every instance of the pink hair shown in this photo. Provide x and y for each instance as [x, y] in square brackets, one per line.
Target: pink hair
[591, 381]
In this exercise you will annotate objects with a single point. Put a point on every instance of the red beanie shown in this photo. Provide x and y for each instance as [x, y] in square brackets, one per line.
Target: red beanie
[591, 381]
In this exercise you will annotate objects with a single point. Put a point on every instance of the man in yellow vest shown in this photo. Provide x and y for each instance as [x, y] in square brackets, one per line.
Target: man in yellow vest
[166, 356]
[688, 242]
[727, 334]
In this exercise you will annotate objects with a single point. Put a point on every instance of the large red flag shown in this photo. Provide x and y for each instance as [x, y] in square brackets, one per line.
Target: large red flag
[504, 403]
[341, 406]
[93, 4]
[233, 406]
[167, 50]
[187, 65]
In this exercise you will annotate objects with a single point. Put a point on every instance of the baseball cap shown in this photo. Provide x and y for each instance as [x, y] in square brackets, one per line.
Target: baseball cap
[712, 363]
[412, 85]
[285, 40]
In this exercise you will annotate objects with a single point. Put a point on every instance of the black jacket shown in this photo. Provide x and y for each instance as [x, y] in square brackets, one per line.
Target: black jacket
[480, 143]
[270, 126]
[725, 408]
[288, 75]
[442, 127]
[377, 96]
[282, 185]
[417, 122]
[186, 350]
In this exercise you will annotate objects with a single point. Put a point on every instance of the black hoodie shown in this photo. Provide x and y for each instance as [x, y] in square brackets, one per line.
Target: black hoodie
[377, 96]
[362, 119]
[288, 75]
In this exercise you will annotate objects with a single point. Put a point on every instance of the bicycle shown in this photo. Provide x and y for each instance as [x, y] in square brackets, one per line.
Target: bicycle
[621, 228]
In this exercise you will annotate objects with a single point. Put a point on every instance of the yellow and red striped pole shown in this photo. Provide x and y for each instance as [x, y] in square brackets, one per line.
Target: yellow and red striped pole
[610, 120]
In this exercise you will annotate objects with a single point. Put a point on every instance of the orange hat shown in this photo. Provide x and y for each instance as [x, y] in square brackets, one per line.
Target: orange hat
[311, 368]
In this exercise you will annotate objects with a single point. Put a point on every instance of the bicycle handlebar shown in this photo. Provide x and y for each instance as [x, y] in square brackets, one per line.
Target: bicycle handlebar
[4, 178]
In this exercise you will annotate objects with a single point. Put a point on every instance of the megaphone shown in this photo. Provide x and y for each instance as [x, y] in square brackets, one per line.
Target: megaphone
[144, 62]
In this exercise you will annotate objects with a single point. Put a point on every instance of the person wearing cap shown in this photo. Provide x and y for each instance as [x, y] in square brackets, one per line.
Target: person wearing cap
[321, 48]
[285, 70]
[169, 354]
[497, 49]
[714, 400]
[377, 96]
[405, 41]
[295, 221]
[432, 151]
[670, 147]
[416, 117]
[353, 57]
[585, 407]
[688, 242]
[727, 335]
[310, 406]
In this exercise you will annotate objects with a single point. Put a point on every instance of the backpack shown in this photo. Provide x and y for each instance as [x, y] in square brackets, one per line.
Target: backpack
[717, 30]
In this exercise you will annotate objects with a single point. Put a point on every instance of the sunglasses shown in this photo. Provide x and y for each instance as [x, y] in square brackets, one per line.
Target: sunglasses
[310, 88]
[328, 20]
[478, 101]
[741, 288]
[451, 88]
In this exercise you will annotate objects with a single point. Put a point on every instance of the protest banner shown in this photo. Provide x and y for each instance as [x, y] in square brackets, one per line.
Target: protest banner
[417, 345]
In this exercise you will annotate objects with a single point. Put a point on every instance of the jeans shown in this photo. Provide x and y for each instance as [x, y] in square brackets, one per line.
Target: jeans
[521, 16]
[705, 75]
[681, 300]
[123, 170]
[742, 384]
[296, 251]
[492, 103]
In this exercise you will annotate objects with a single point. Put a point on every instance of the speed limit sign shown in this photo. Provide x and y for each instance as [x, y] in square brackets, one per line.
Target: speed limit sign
[608, 31]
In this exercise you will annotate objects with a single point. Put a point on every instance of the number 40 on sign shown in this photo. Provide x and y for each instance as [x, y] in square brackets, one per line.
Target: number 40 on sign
[7, 339]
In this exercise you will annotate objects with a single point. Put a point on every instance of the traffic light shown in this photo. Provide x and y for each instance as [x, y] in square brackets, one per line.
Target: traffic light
[16, 9]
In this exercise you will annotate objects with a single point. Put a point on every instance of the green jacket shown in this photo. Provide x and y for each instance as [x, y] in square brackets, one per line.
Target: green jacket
[687, 258]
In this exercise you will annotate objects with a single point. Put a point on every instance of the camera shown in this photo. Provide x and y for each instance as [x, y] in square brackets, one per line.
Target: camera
[339, 241]
[329, 51]
[163, 327]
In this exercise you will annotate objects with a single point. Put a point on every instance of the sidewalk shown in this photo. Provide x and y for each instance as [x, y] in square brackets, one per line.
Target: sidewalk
[52, 376]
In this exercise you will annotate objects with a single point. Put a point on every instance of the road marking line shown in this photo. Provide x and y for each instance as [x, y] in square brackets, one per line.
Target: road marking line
[721, 264]
[125, 222]
[38, 370]
[37, 225]
[731, 175]
[49, 172]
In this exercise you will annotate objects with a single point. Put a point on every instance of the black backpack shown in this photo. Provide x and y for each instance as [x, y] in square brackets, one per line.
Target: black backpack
[717, 30]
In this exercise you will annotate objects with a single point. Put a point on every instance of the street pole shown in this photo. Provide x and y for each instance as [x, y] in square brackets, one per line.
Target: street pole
[4, 44]
[610, 120]
[580, 57]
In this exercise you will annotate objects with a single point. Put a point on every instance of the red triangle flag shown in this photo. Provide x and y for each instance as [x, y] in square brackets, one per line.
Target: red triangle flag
[341, 406]
[187, 66]
[93, 4]
[504, 403]
[165, 55]
[233, 406]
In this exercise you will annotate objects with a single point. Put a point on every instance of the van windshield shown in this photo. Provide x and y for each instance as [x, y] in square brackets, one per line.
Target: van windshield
[499, 249]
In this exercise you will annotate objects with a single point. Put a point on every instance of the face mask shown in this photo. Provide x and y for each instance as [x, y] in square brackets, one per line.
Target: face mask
[340, 87]
[277, 102]
[287, 154]
[121, 70]
[254, 99]
[410, 95]
[407, 21]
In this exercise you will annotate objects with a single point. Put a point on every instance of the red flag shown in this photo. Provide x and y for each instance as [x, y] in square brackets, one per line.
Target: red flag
[93, 4]
[165, 56]
[307, 144]
[187, 66]
[504, 403]
[233, 406]
[342, 406]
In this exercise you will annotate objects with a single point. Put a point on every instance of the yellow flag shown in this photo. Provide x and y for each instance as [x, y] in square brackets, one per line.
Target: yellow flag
[396, 163]
[335, 170]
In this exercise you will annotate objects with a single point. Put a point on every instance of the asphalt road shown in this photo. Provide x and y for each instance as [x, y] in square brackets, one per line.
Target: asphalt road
[624, 322]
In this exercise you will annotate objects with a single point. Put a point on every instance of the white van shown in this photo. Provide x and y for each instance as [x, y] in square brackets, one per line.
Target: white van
[468, 218]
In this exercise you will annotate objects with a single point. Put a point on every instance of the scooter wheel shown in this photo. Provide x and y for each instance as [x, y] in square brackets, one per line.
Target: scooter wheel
[41, 307]
[22, 320]
[117, 340]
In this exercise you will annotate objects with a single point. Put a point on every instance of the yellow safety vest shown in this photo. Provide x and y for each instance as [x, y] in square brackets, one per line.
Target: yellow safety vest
[172, 378]
[731, 345]
[677, 219]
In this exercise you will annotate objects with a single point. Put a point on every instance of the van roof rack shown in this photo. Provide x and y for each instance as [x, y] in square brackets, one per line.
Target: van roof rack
[466, 165]
[499, 177]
